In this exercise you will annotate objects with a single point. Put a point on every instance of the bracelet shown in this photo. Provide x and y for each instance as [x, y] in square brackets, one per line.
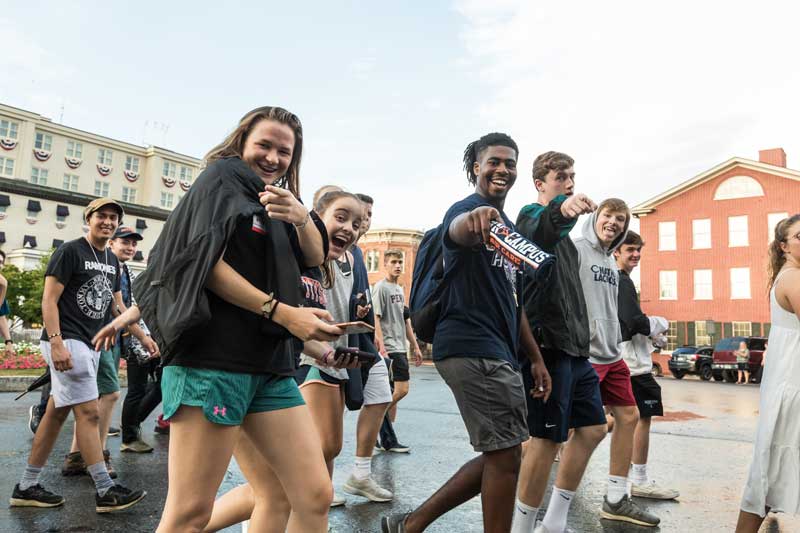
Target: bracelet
[274, 307]
[305, 221]
[9, 341]
[53, 336]
[325, 357]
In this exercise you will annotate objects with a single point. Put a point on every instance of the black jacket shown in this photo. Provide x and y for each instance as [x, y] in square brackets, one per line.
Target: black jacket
[556, 310]
[171, 291]
[631, 318]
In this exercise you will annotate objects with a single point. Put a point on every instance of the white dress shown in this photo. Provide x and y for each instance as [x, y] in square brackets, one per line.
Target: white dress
[774, 479]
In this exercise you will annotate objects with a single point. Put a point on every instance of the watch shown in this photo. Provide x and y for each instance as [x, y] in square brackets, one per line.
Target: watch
[268, 307]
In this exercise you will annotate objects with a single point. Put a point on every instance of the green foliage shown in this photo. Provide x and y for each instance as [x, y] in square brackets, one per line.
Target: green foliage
[25, 288]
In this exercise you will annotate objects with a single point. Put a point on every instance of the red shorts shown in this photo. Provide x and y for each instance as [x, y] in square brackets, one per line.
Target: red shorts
[615, 384]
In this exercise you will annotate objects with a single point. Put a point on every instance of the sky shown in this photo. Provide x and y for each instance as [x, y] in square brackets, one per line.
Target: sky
[643, 95]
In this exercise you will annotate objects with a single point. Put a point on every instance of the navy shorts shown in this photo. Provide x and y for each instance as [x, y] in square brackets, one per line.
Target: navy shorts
[575, 401]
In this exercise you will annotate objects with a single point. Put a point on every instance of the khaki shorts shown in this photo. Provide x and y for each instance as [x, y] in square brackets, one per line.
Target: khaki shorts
[79, 384]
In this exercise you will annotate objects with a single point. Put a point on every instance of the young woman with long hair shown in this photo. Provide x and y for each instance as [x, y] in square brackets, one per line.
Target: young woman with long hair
[774, 473]
[222, 292]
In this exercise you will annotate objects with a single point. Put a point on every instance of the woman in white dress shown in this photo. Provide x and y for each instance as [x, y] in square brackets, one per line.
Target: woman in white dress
[774, 480]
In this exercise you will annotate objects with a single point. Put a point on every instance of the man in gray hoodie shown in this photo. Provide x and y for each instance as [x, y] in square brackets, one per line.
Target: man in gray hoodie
[602, 233]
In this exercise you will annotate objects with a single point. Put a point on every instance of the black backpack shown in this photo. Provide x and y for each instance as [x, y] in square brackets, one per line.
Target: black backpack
[428, 283]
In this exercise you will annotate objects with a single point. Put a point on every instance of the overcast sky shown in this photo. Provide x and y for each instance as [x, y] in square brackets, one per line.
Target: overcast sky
[644, 95]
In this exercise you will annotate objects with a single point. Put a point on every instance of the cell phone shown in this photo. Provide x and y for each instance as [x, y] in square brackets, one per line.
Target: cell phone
[363, 357]
[352, 328]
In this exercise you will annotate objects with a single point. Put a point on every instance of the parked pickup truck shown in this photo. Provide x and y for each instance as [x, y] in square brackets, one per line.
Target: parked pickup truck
[724, 364]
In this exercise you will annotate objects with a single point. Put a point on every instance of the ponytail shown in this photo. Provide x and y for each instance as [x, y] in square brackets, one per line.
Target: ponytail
[777, 257]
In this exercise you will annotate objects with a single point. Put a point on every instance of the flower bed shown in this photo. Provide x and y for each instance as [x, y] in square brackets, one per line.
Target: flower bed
[28, 356]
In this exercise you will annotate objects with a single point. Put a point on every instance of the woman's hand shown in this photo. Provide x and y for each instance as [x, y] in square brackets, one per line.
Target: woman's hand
[281, 204]
[307, 323]
[106, 337]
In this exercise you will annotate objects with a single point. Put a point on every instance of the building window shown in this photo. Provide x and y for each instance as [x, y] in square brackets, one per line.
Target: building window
[702, 285]
[168, 170]
[6, 167]
[742, 329]
[43, 141]
[101, 188]
[740, 283]
[186, 174]
[373, 260]
[668, 284]
[701, 336]
[75, 149]
[70, 182]
[701, 233]
[167, 199]
[104, 156]
[667, 236]
[131, 163]
[672, 335]
[737, 231]
[39, 176]
[129, 194]
[738, 187]
[772, 221]
[8, 129]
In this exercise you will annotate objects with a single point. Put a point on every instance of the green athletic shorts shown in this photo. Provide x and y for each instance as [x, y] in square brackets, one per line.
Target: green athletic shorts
[226, 397]
[108, 371]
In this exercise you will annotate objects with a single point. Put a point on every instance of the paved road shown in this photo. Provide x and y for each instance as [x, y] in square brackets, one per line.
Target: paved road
[703, 448]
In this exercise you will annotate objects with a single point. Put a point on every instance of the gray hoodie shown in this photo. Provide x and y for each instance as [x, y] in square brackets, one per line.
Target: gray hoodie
[600, 281]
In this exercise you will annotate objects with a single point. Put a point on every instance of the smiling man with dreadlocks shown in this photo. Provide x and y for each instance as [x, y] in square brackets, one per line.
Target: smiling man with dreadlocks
[475, 345]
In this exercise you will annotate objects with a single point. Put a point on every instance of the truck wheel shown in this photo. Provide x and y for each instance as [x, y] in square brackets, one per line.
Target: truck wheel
[730, 376]
[717, 375]
[706, 373]
[679, 374]
[656, 371]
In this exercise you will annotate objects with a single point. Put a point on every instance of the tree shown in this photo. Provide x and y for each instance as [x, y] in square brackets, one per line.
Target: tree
[25, 288]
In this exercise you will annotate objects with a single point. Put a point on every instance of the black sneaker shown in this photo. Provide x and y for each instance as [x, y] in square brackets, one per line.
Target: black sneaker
[113, 432]
[117, 498]
[35, 496]
[395, 523]
[399, 448]
[34, 418]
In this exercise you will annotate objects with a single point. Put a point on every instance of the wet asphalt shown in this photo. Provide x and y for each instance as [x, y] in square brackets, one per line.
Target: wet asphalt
[702, 448]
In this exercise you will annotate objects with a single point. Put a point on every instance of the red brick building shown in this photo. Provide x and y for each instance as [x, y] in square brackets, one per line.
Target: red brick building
[377, 241]
[705, 261]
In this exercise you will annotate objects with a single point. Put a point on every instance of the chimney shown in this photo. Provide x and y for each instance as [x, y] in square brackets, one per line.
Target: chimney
[773, 156]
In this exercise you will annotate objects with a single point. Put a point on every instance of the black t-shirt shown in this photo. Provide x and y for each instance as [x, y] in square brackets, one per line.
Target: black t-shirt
[478, 317]
[90, 278]
[237, 340]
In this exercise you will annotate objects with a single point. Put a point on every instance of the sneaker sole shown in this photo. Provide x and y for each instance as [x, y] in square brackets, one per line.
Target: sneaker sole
[630, 520]
[103, 510]
[17, 502]
[338, 504]
[650, 496]
[358, 492]
[400, 450]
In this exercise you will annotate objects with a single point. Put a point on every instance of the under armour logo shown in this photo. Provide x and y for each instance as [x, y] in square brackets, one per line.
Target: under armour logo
[218, 411]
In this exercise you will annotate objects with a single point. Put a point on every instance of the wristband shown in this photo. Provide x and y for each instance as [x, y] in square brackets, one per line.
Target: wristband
[9, 341]
[325, 357]
[53, 336]
[305, 221]
[274, 307]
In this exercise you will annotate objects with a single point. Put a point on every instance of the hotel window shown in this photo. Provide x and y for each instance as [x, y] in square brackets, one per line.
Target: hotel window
[737, 231]
[667, 236]
[43, 142]
[8, 129]
[668, 284]
[101, 188]
[129, 194]
[701, 336]
[6, 167]
[131, 163]
[742, 329]
[701, 233]
[39, 176]
[702, 285]
[104, 156]
[672, 335]
[740, 284]
[167, 199]
[738, 187]
[34, 206]
[70, 182]
[168, 170]
[772, 221]
[62, 212]
[75, 149]
[373, 260]
[186, 174]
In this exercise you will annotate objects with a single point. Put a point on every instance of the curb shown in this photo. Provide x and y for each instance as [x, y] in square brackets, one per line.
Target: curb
[20, 383]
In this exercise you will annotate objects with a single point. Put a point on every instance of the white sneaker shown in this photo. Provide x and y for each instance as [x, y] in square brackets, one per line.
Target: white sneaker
[653, 491]
[338, 500]
[368, 489]
[541, 529]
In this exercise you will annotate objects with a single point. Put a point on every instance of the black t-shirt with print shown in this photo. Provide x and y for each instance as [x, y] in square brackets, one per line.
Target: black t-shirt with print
[313, 296]
[90, 278]
[235, 340]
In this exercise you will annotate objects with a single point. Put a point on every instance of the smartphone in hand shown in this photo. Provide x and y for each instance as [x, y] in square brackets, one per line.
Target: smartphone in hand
[352, 328]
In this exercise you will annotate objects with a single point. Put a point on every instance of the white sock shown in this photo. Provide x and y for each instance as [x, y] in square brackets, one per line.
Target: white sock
[524, 518]
[555, 519]
[362, 468]
[617, 488]
[638, 474]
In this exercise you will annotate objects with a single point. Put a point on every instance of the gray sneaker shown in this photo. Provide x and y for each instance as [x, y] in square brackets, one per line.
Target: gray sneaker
[394, 523]
[368, 489]
[627, 511]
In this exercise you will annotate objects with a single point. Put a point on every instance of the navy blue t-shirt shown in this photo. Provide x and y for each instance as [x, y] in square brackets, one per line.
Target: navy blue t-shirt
[479, 311]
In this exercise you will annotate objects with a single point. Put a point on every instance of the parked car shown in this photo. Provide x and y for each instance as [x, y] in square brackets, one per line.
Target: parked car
[692, 360]
[660, 363]
[724, 364]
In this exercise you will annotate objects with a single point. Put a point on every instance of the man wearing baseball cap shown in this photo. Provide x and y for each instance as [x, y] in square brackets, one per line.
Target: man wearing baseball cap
[81, 286]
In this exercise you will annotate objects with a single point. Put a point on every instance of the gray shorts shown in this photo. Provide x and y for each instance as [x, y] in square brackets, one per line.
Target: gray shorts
[491, 399]
[79, 384]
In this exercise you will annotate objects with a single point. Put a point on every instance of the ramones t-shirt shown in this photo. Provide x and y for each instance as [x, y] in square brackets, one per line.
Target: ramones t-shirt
[90, 278]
